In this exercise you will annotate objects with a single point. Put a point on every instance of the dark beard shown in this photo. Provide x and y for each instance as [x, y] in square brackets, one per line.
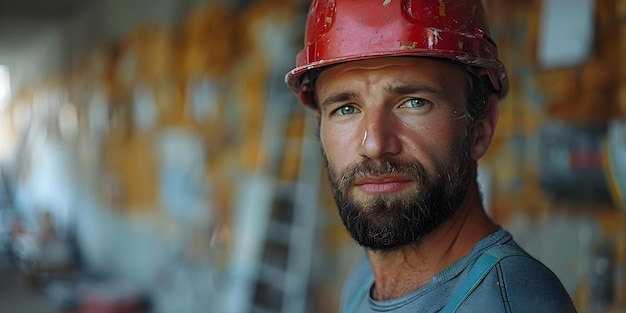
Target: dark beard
[389, 221]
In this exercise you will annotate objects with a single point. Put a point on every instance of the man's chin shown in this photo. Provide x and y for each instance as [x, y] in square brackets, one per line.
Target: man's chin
[387, 226]
[385, 247]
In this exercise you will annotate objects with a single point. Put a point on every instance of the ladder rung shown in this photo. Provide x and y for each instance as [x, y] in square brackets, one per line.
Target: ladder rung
[258, 309]
[279, 232]
[273, 275]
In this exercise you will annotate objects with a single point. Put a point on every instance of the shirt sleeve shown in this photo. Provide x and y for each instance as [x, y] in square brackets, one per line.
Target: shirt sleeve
[520, 285]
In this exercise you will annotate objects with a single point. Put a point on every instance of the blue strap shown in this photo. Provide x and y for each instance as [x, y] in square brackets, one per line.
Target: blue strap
[360, 295]
[478, 272]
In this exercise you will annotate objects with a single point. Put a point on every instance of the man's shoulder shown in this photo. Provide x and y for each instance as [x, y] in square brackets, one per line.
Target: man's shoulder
[522, 284]
[524, 278]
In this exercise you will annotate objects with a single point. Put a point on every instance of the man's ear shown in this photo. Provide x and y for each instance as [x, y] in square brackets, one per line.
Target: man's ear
[485, 128]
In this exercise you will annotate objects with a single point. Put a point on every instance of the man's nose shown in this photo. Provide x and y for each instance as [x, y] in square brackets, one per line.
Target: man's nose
[380, 135]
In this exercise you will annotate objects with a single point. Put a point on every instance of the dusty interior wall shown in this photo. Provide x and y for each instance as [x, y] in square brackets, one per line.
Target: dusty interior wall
[170, 98]
[551, 178]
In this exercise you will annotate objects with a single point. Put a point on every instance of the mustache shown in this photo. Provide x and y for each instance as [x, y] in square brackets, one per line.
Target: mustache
[369, 167]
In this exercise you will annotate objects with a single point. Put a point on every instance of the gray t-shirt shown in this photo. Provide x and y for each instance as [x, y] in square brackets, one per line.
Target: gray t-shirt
[515, 284]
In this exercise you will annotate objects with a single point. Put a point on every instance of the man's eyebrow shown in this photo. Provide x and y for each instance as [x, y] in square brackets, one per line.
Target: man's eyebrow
[338, 97]
[412, 88]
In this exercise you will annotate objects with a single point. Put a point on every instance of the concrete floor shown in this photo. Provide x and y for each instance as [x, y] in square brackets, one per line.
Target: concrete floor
[17, 297]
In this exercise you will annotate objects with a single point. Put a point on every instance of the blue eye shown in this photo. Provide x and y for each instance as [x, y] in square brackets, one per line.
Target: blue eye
[415, 103]
[345, 110]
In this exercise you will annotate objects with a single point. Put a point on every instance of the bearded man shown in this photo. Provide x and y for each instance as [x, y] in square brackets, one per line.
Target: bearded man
[406, 94]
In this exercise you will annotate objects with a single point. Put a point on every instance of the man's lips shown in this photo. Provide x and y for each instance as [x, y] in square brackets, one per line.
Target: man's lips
[383, 184]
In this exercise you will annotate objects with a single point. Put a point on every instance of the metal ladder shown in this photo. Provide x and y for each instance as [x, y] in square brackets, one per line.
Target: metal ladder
[275, 220]
[6, 216]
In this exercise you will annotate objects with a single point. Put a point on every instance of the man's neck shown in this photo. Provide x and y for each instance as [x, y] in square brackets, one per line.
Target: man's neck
[408, 268]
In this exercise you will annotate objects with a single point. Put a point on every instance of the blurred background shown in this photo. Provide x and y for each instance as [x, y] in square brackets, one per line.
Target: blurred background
[152, 159]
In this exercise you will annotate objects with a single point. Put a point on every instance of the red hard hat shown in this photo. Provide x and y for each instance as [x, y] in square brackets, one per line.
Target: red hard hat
[338, 31]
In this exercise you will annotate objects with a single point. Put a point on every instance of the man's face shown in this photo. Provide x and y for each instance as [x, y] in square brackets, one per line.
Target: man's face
[397, 146]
